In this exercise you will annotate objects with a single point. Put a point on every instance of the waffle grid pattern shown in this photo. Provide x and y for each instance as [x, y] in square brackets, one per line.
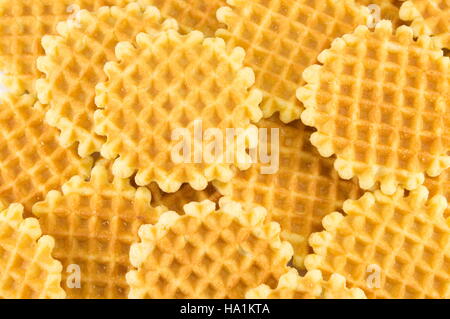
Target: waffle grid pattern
[32, 161]
[27, 269]
[380, 103]
[282, 37]
[94, 223]
[405, 237]
[430, 17]
[172, 80]
[207, 253]
[191, 14]
[303, 190]
[109, 81]
[73, 65]
[22, 25]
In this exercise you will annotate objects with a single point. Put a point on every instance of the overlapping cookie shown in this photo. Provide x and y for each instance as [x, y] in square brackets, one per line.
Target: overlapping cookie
[27, 268]
[162, 93]
[292, 181]
[94, 222]
[282, 38]
[207, 253]
[380, 102]
[430, 17]
[22, 25]
[31, 160]
[73, 66]
[395, 246]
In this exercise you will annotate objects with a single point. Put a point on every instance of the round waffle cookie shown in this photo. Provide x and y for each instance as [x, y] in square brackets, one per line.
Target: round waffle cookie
[430, 17]
[22, 25]
[185, 195]
[394, 246]
[191, 14]
[207, 253]
[94, 223]
[383, 10]
[168, 83]
[282, 37]
[31, 160]
[27, 269]
[73, 65]
[310, 286]
[381, 103]
[298, 189]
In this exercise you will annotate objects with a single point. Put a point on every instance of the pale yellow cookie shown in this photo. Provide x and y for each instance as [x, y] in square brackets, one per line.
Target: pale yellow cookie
[22, 25]
[394, 246]
[282, 38]
[296, 185]
[94, 222]
[73, 65]
[31, 160]
[380, 101]
[207, 253]
[185, 195]
[170, 84]
[191, 14]
[27, 268]
[430, 17]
